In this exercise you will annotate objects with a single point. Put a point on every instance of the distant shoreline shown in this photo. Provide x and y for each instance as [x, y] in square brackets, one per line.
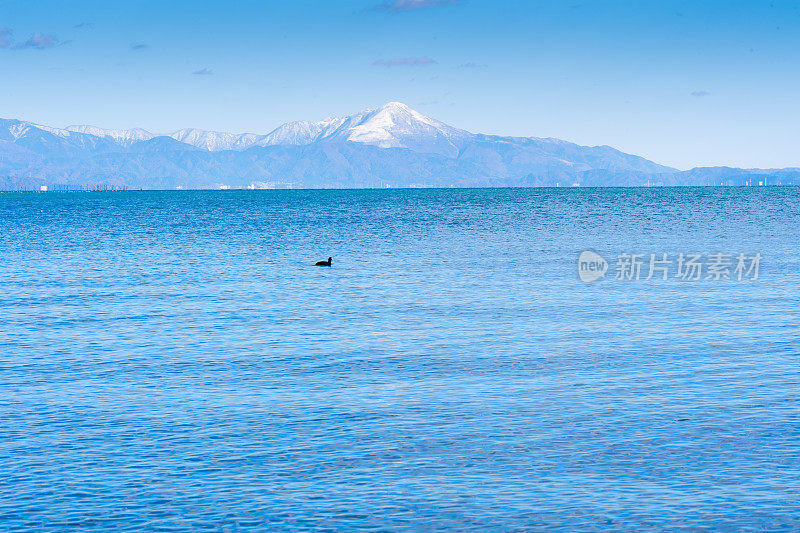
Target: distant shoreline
[244, 189]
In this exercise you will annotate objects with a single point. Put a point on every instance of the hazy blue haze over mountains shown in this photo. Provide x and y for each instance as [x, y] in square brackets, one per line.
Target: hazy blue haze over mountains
[389, 146]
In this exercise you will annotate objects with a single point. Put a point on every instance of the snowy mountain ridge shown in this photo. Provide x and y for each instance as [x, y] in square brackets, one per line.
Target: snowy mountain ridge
[122, 137]
[389, 146]
[393, 125]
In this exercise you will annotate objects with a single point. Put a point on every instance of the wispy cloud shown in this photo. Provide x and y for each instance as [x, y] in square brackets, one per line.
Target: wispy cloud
[39, 41]
[700, 93]
[86, 25]
[5, 37]
[411, 5]
[203, 72]
[470, 64]
[404, 62]
[139, 46]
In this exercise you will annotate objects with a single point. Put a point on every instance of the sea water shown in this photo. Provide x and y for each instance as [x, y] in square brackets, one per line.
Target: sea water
[175, 361]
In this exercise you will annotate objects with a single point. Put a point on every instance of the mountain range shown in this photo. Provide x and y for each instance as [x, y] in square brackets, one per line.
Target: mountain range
[391, 146]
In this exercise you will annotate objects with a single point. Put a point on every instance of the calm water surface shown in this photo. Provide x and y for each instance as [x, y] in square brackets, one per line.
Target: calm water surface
[173, 361]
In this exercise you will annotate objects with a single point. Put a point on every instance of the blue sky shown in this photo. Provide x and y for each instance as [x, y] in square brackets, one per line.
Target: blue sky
[683, 83]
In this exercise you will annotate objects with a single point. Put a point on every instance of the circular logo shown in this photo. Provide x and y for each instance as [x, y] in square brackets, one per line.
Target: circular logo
[591, 266]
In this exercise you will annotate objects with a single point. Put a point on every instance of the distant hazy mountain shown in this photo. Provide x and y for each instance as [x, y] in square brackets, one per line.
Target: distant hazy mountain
[390, 146]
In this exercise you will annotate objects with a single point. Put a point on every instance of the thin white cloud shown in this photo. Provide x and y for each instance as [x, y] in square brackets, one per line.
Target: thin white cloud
[404, 62]
[470, 64]
[700, 93]
[5, 37]
[203, 72]
[411, 5]
[39, 41]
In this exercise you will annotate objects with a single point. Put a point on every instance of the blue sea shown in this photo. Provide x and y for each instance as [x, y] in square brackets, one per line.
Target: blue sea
[174, 361]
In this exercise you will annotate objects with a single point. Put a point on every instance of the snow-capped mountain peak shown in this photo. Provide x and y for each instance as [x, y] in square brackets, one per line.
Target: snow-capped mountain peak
[122, 137]
[213, 141]
[395, 125]
[297, 133]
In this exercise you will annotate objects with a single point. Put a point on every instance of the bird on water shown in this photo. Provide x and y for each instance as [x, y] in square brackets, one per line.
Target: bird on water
[324, 263]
